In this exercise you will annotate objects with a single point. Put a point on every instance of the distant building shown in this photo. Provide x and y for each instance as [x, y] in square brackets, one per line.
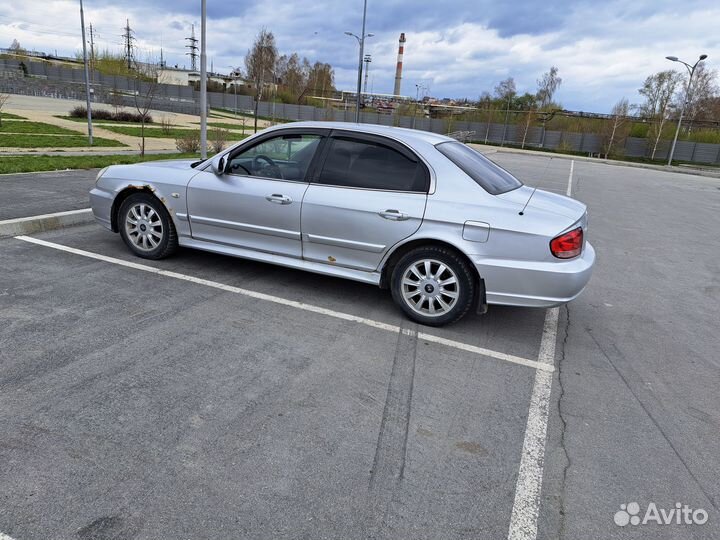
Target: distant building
[185, 77]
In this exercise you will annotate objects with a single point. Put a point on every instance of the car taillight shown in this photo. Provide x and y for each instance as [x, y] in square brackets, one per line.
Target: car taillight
[568, 245]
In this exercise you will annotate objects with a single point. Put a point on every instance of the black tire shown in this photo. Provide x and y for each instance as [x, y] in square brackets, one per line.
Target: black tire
[167, 241]
[431, 289]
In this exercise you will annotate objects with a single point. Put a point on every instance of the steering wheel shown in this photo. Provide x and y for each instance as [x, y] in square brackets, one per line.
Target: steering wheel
[271, 165]
[236, 166]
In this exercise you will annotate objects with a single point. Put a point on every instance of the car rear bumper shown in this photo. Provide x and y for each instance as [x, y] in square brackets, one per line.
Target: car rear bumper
[536, 284]
[101, 203]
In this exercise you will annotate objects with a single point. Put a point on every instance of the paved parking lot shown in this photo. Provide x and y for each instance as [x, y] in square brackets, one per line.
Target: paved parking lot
[211, 397]
[23, 195]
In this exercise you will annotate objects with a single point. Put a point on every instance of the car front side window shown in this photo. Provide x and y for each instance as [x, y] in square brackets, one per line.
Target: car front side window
[285, 157]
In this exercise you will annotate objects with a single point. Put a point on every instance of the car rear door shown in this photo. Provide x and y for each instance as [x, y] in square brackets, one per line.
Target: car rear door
[255, 204]
[368, 194]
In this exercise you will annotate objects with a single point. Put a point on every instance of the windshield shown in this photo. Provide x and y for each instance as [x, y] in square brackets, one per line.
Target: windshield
[490, 176]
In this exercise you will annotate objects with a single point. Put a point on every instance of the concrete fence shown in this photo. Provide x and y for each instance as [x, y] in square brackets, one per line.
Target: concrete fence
[44, 79]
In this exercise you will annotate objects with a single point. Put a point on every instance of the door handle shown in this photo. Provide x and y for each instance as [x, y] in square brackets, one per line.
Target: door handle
[394, 215]
[278, 199]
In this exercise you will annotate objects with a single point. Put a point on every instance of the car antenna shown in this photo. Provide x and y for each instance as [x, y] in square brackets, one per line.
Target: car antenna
[522, 212]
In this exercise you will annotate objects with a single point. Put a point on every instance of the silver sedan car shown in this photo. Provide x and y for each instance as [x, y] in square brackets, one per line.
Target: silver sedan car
[443, 227]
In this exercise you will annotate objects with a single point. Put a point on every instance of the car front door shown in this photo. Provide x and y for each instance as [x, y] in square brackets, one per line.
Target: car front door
[368, 195]
[255, 204]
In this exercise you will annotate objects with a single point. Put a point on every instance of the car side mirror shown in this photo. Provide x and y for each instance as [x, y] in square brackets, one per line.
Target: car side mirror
[218, 164]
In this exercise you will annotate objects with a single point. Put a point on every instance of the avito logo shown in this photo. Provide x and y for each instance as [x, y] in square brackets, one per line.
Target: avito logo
[681, 514]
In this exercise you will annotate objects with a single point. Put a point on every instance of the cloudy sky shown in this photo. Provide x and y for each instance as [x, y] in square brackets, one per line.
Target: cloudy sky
[456, 48]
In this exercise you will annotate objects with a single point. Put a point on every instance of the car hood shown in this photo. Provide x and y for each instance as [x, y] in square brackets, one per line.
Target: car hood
[170, 163]
[544, 200]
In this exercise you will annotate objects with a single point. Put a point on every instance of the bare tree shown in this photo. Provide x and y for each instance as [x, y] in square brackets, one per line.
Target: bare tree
[16, 48]
[115, 98]
[704, 88]
[658, 90]
[3, 100]
[321, 78]
[260, 63]
[547, 85]
[505, 91]
[529, 116]
[619, 118]
[145, 80]
[292, 73]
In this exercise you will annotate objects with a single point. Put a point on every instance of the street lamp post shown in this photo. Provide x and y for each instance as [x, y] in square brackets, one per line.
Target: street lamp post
[87, 79]
[418, 87]
[234, 75]
[361, 42]
[691, 70]
[203, 80]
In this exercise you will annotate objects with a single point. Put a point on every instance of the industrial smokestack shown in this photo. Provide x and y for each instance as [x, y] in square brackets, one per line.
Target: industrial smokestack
[398, 70]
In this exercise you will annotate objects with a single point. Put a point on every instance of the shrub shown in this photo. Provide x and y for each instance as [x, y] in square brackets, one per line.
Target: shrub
[165, 125]
[218, 138]
[189, 144]
[103, 114]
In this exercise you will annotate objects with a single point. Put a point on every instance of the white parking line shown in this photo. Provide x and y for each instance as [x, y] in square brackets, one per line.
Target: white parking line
[526, 506]
[4, 536]
[299, 305]
[523, 521]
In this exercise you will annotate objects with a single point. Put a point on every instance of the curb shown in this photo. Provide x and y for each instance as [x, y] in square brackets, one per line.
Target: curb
[45, 222]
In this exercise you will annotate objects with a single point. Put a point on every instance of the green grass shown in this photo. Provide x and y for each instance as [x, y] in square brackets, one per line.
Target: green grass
[17, 164]
[155, 133]
[174, 133]
[229, 126]
[11, 126]
[229, 113]
[11, 116]
[51, 141]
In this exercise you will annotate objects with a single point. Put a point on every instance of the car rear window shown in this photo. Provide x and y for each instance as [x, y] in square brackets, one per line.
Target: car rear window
[491, 177]
[370, 165]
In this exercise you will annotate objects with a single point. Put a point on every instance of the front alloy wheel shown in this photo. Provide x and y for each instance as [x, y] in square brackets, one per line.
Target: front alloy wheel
[146, 227]
[143, 226]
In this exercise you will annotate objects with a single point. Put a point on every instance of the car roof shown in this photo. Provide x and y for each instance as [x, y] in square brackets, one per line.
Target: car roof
[404, 134]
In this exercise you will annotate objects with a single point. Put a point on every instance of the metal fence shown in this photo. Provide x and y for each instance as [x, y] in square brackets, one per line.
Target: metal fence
[48, 80]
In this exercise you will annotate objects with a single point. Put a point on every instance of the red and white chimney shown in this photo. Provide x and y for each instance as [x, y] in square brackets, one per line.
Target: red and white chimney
[398, 70]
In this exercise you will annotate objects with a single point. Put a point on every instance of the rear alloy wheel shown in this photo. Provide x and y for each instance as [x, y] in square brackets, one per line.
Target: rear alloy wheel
[433, 285]
[146, 227]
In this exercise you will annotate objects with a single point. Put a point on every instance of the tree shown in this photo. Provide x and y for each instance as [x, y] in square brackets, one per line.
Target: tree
[260, 63]
[293, 74]
[704, 88]
[505, 91]
[145, 81]
[658, 90]
[321, 79]
[547, 85]
[16, 48]
[619, 119]
[3, 100]
[486, 103]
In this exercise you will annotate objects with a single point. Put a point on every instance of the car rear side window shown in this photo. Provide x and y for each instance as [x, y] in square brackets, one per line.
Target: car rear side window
[371, 165]
[491, 177]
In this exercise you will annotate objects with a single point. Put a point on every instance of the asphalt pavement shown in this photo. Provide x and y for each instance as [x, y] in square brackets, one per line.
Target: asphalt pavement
[32, 194]
[140, 405]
